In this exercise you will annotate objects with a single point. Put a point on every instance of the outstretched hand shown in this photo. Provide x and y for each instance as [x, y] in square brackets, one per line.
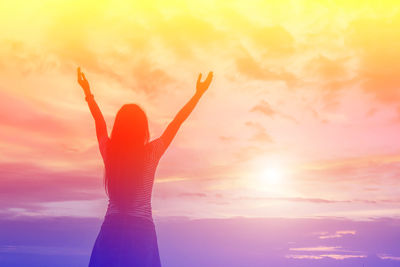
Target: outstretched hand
[83, 82]
[201, 87]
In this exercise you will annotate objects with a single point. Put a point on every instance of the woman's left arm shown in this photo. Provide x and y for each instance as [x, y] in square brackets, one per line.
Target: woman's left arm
[184, 113]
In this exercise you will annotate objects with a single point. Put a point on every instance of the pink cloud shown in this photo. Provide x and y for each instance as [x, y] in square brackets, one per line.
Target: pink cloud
[337, 234]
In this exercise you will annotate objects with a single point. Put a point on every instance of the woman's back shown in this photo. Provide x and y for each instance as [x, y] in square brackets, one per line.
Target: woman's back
[139, 204]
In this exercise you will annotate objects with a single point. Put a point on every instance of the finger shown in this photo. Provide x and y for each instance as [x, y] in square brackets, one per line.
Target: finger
[79, 73]
[84, 77]
[199, 79]
[210, 76]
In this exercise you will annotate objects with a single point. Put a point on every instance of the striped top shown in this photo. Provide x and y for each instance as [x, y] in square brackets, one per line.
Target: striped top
[141, 206]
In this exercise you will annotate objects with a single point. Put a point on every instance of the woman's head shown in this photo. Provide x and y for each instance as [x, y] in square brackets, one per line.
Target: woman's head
[125, 151]
[130, 126]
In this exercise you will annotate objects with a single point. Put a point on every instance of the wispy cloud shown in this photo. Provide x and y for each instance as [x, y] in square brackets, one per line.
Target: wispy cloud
[337, 234]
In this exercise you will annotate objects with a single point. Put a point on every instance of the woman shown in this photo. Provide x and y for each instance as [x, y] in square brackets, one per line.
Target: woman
[127, 236]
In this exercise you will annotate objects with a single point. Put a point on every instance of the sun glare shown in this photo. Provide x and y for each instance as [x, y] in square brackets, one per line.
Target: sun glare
[272, 176]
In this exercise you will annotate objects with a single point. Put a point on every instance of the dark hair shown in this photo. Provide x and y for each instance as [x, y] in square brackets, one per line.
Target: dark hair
[125, 153]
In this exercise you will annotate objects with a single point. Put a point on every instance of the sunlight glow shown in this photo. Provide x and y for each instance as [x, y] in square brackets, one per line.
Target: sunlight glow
[272, 176]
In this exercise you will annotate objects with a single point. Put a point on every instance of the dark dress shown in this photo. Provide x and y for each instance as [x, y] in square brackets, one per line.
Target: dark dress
[125, 240]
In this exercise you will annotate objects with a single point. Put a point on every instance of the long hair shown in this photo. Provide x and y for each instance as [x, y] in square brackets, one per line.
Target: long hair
[125, 153]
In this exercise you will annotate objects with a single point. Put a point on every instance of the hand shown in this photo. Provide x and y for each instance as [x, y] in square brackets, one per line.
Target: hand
[83, 82]
[201, 87]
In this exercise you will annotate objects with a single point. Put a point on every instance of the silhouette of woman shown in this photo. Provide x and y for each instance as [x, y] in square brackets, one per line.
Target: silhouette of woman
[127, 236]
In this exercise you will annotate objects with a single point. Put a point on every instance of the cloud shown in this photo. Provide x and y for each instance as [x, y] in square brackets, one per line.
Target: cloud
[41, 250]
[184, 33]
[321, 252]
[375, 41]
[261, 134]
[18, 113]
[24, 58]
[337, 234]
[275, 39]
[246, 153]
[296, 199]
[319, 248]
[265, 108]
[355, 168]
[326, 68]
[331, 76]
[251, 68]
[323, 256]
[193, 195]
[149, 79]
[389, 257]
[26, 186]
[229, 139]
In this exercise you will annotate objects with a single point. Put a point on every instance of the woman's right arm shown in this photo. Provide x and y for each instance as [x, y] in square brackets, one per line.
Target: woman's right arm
[101, 127]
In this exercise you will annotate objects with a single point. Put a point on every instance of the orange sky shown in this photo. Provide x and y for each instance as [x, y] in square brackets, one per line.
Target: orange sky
[301, 119]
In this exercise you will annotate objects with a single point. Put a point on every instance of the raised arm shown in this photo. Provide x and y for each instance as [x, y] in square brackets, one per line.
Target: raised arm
[101, 128]
[182, 115]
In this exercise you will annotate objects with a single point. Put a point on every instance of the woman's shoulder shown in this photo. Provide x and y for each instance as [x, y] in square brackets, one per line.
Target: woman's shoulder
[156, 146]
[158, 142]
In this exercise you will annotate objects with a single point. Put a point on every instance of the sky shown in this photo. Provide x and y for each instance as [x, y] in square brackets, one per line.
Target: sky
[300, 121]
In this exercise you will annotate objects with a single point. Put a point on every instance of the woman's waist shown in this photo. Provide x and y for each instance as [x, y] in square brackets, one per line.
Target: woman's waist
[131, 207]
[122, 220]
[129, 203]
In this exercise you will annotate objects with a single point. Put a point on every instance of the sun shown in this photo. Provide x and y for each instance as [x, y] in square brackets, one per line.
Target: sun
[272, 175]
